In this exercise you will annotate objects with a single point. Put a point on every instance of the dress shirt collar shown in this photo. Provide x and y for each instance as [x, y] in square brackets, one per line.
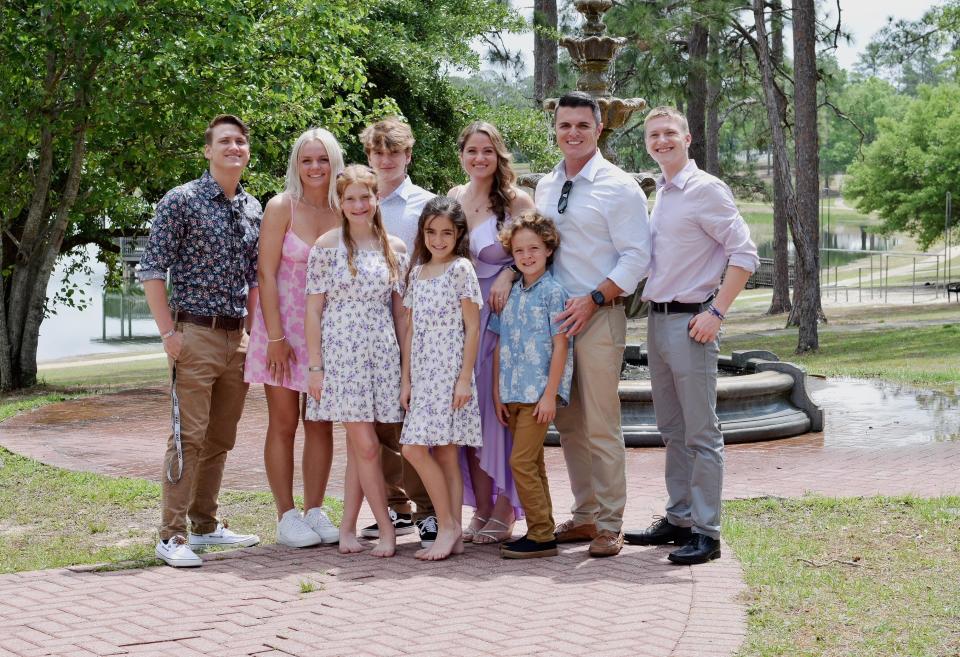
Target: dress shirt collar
[545, 276]
[589, 170]
[402, 191]
[211, 188]
[680, 180]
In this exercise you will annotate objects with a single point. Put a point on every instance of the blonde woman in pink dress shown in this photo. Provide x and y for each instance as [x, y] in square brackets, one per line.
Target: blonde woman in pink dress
[277, 353]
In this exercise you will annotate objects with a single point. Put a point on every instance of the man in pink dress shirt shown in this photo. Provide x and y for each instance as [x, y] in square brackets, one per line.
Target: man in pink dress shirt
[698, 237]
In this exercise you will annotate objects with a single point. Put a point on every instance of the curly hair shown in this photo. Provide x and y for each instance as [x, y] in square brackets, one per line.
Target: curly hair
[533, 221]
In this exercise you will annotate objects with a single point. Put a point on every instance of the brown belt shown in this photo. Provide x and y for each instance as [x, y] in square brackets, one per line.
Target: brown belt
[615, 301]
[210, 321]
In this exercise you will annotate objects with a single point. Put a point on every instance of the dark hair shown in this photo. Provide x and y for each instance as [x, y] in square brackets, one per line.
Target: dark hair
[501, 192]
[533, 221]
[580, 99]
[440, 206]
[359, 174]
[220, 119]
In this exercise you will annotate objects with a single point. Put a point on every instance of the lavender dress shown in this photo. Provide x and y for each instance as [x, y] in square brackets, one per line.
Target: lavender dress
[489, 258]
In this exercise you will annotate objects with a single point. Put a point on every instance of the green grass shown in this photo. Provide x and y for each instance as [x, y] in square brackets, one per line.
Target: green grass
[861, 577]
[96, 518]
[762, 213]
[923, 356]
[131, 374]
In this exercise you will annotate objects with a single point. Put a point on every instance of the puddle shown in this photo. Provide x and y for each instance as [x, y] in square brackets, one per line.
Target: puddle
[867, 412]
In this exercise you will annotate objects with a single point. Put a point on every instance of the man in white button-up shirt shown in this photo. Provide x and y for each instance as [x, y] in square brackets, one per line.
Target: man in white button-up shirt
[389, 147]
[601, 213]
[698, 236]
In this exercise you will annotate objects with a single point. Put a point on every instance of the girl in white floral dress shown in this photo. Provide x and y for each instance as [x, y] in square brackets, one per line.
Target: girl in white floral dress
[438, 388]
[354, 305]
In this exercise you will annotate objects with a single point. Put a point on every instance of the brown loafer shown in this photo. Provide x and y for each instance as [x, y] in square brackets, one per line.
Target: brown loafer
[567, 532]
[606, 544]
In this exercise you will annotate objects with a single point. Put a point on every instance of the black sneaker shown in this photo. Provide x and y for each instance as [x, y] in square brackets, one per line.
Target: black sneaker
[525, 548]
[428, 531]
[402, 525]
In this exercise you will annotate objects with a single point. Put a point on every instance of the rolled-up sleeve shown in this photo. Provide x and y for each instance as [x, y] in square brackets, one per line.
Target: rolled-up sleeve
[722, 220]
[164, 240]
[630, 232]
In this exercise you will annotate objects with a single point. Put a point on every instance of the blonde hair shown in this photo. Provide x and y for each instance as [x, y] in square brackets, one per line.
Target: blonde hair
[293, 186]
[669, 112]
[359, 174]
[390, 134]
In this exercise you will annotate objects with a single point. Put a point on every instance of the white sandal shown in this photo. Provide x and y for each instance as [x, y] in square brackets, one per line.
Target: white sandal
[470, 534]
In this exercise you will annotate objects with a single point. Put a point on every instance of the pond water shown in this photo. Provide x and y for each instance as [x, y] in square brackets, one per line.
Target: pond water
[875, 413]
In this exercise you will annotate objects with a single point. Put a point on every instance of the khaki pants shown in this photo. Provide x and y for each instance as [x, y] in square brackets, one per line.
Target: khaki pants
[529, 472]
[403, 482]
[590, 431]
[211, 393]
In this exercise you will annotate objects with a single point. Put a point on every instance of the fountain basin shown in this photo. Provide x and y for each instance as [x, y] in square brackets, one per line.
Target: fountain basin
[765, 399]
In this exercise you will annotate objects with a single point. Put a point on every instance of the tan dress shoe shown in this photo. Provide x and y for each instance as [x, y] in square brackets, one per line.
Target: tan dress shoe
[606, 544]
[567, 532]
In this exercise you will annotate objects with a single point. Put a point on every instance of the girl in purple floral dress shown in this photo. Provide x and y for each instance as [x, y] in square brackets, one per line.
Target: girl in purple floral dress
[437, 386]
[354, 304]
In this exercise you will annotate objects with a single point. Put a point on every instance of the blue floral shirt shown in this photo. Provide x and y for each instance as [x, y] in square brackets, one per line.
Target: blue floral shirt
[526, 327]
[209, 244]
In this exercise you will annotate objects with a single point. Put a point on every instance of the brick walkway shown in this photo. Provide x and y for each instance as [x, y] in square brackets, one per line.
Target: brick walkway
[249, 602]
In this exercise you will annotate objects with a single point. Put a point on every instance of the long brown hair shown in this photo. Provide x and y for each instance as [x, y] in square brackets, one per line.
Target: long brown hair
[501, 193]
[358, 174]
[440, 206]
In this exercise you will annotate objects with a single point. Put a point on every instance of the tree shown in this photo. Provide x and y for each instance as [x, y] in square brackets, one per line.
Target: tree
[544, 49]
[807, 311]
[913, 163]
[852, 126]
[103, 104]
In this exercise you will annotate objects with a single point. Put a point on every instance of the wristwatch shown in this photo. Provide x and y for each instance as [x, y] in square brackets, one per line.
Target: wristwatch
[598, 297]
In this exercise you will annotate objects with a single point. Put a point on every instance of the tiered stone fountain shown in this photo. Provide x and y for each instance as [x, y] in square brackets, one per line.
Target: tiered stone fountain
[764, 398]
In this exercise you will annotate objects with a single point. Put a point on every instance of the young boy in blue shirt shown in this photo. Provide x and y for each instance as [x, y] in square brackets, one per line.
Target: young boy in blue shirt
[533, 366]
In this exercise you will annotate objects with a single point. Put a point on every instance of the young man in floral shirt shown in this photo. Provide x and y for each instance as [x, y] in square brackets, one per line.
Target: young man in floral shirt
[205, 234]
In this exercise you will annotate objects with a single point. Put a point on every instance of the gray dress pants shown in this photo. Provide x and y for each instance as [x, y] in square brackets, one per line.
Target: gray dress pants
[684, 380]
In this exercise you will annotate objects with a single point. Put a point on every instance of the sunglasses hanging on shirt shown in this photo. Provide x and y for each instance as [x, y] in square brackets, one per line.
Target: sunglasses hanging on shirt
[564, 196]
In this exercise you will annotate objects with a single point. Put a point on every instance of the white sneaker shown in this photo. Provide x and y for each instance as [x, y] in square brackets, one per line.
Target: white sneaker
[175, 552]
[223, 536]
[316, 518]
[292, 531]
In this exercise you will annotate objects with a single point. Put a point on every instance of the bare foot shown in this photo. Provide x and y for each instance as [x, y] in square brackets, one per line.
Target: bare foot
[349, 544]
[445, 545]
[421, 553]
[386, 547]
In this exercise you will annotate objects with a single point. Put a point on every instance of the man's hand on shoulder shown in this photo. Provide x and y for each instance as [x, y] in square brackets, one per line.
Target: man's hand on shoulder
[577, 313]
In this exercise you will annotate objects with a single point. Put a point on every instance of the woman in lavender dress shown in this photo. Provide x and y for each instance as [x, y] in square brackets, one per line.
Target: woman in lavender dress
[489, 199]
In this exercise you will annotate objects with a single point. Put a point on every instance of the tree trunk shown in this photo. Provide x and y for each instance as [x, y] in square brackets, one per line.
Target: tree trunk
[774, 101]
[697, 91]
[544, 49]
[780, 299]
[807, 311]
[711, 158]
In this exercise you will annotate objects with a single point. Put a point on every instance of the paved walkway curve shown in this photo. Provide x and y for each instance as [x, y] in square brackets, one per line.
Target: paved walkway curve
[249, 602]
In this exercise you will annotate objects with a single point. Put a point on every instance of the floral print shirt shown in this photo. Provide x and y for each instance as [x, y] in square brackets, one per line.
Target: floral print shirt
[526, 327]
[209, 244]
